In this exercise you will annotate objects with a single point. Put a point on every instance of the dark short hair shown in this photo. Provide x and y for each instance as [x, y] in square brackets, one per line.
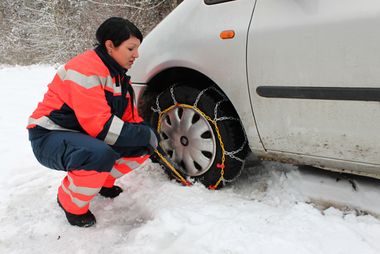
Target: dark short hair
[117, 30]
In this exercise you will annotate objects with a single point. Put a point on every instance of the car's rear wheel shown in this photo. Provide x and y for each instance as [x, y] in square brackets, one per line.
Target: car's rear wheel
[201, 132]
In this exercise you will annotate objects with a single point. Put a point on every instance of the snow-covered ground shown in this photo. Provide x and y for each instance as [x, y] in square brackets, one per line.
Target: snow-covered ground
[267, 210]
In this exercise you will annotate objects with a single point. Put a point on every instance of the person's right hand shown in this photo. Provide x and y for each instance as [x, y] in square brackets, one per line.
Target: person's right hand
[153, 141]
[154, 138]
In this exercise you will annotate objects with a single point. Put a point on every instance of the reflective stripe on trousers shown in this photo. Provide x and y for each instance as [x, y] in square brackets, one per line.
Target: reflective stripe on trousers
[80, 186]
[125, 165]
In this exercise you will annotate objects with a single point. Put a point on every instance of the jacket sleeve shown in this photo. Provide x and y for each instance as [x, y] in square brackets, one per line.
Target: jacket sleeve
[84, 94]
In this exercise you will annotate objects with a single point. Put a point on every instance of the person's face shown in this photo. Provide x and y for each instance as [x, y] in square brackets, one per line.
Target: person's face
[126, 53]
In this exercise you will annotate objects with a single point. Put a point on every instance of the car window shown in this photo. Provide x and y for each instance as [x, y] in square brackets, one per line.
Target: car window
[209, 2]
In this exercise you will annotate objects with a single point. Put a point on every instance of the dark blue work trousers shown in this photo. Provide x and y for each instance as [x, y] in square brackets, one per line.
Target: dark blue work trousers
[66, 150]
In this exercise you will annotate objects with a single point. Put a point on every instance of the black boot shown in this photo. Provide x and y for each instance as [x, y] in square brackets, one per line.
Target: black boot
[112, 192]
[80, 220]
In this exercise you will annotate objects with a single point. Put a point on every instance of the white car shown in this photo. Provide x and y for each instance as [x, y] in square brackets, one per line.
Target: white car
[296, 81]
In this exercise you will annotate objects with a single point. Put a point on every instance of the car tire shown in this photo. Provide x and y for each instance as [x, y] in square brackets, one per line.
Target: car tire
[201, 132]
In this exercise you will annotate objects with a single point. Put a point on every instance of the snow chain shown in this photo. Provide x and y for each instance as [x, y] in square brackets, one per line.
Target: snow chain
[177, 175]
[214, 121]
[219, 165]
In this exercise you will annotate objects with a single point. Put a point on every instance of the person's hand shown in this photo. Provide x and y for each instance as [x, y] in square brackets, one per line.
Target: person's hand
[154, 138]
[153, 141]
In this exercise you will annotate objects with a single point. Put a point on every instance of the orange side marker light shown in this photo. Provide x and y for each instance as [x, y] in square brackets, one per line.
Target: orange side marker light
[227, 34]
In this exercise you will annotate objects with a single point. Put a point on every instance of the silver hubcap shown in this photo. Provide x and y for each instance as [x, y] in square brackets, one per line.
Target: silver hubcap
[188, 139]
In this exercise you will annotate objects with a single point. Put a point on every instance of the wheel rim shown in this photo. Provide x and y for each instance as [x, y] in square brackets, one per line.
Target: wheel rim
[187, 137]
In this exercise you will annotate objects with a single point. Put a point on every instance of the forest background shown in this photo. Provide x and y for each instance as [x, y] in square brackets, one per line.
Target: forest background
[53, 31]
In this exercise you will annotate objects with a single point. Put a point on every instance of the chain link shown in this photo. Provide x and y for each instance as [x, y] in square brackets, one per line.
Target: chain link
[216, 108]
[172, 94]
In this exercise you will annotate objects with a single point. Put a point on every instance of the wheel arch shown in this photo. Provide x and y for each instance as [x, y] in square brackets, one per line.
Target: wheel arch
[191, 77]
[170, 76]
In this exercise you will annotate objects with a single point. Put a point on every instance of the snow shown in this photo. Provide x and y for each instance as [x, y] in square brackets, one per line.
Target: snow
[267, 210]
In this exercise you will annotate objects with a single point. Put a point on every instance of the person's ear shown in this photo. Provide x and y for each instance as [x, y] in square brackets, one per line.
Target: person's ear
[109, 46]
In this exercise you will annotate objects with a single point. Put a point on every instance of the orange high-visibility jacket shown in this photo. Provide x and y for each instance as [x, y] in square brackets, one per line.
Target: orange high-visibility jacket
[84, 97]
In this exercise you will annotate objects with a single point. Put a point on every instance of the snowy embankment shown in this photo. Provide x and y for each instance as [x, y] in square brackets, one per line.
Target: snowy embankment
[265, 211]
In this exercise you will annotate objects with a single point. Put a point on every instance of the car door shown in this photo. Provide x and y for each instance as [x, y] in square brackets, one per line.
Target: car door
[313, 68]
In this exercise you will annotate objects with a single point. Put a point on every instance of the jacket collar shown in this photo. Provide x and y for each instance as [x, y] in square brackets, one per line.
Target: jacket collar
[114, 68]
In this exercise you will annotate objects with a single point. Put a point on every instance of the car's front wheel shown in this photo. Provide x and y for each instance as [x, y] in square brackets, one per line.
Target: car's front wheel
[201, 132]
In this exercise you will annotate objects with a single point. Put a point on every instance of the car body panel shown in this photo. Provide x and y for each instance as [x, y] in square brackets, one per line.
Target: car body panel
[317, 44]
